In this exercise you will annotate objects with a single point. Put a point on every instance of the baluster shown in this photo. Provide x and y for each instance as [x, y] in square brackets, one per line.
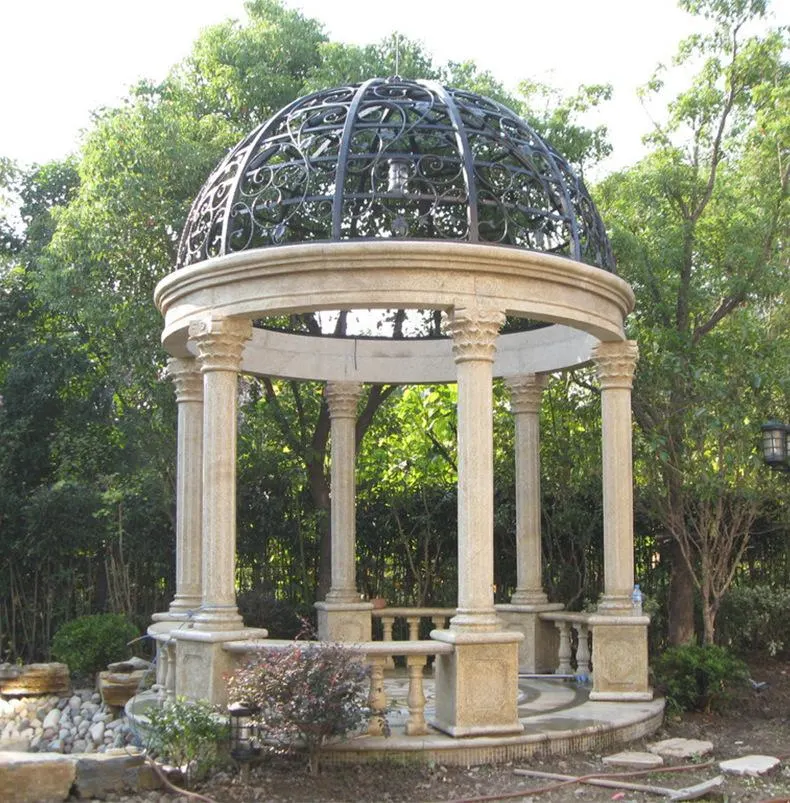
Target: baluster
[582, 650]
[161, 669]
[386, 635]
[564, 652]
[439, 622]
[416, 723]
[377, 699]
[170, 677]
[414, 627]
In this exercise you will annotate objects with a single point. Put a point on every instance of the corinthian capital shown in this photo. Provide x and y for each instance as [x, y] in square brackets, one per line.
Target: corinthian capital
[187, 379]
[220, 342]
[342, 398]
[474, 332]
[526, 392]
[615, 363]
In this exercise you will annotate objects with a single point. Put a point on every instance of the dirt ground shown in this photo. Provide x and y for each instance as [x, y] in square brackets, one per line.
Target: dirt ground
[756, 723]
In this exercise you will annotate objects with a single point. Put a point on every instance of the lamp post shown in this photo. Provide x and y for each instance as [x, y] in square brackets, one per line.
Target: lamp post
[776, 445]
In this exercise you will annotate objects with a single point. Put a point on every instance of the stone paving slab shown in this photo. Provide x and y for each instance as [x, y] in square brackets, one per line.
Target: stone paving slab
[681, 748]
[749, 765]
[634, 758]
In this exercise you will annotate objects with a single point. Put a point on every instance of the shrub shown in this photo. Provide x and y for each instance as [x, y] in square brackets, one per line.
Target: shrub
[188, 734]
[698, 678]
[89, 643]
[303, 695]
[754, 619]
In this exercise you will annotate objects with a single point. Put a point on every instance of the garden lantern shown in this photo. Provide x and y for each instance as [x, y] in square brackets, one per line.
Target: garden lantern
[775, 445]
[243, 747]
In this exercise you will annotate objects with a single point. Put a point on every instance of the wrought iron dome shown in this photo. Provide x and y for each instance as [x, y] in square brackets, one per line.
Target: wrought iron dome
[394, 158]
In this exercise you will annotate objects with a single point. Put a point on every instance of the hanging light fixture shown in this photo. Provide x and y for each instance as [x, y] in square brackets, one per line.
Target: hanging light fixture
[397, 175]
[776, 448]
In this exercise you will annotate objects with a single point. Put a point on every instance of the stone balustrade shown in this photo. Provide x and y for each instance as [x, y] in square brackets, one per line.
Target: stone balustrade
[565, 622]
[377, 654]
[413, 617]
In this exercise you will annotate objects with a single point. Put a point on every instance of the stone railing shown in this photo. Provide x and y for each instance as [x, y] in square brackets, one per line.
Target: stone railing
[378, 654]
[162, 634]
[413, 618]
[565, 622]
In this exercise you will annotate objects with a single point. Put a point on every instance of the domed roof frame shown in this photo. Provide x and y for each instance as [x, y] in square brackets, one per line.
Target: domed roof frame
[394, 158]
[418, 152]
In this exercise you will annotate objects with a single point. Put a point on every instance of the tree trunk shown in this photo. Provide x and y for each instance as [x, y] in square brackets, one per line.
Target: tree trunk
[319, 491]
[681, 598]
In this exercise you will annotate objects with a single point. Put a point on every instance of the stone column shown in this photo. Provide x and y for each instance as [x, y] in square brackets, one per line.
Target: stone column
[476, 684]
[343, 617]
[474, 334]
[342, 399]
[219, 343]
[620, 670]
[525, 394]
[615, 364]
[188, 382]
[538, 651]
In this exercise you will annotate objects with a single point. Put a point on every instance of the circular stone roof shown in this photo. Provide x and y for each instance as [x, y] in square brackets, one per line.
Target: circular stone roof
[394, 159]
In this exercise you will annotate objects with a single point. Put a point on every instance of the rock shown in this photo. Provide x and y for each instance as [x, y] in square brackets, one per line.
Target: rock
[39, 777]
[75, 701]
[52, 719]
[79, 746]
[749, 765]
[132, 664]
[21, 744]
[97, 732]
[9, 671]
[5, 708]
[35, 679]
[105, 775]
[117, 688]
[680, 748]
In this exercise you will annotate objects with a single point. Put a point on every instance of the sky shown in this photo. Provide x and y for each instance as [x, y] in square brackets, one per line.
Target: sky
[61, 59]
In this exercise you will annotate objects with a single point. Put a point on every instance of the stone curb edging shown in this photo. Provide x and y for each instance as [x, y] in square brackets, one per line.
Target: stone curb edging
[45, 777]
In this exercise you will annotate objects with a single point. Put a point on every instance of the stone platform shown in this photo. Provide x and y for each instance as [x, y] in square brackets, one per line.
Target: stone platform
[558, 718]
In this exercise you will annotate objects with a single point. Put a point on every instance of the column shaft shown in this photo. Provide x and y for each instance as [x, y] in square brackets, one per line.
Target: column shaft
[474, 334]
[220, 343]
[615, 364]
[526, 392]
[342, 399]
[188, 381]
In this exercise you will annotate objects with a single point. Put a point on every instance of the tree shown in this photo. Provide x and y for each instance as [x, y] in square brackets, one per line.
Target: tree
[698, 231]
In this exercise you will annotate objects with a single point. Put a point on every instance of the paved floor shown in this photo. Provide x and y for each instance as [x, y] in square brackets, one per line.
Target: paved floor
[558, 717]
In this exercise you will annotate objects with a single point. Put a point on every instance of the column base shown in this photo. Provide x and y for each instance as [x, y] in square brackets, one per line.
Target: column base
[470, 620]
[214, 618]
[619, 658]
[537, 653]
[615, 605]
[202, 664]
[344, 621]
[477, 684]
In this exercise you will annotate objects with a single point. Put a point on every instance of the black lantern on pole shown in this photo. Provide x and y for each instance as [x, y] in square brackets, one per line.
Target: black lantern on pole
[776, 448]
[243, 745]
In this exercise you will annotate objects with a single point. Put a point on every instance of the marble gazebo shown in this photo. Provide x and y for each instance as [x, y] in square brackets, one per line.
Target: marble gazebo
[390, 195]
